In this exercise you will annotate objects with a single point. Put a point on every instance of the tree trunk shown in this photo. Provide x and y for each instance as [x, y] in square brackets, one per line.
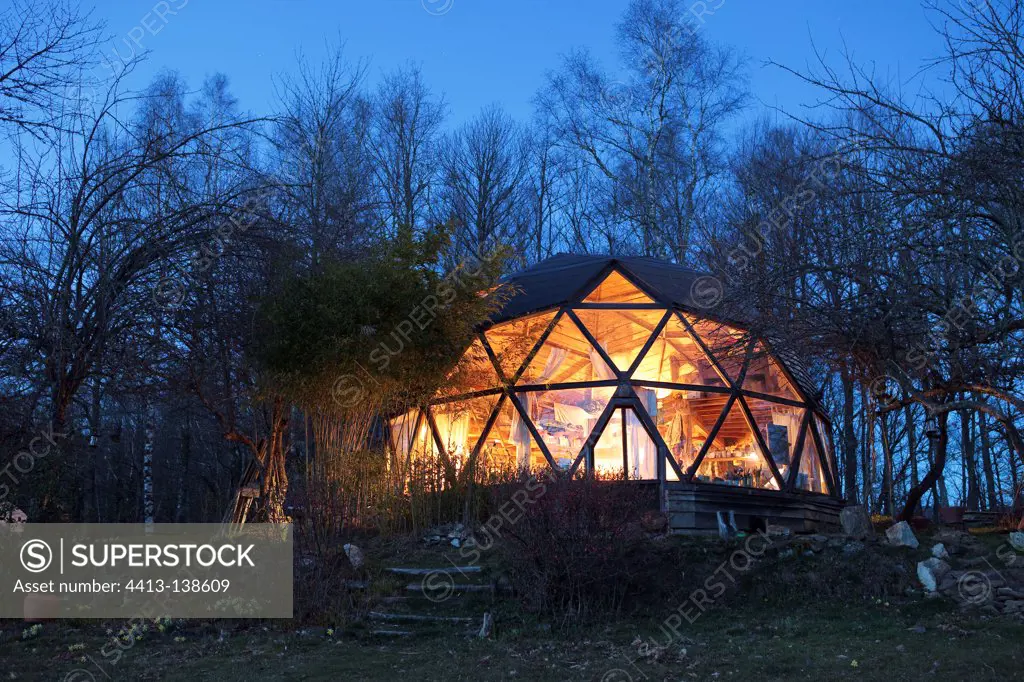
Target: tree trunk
[181, 504]
[888, 503]
[934, 472]
[970, 465]
[868, 463]
[149, 442]
[849, 437]
[986, 461]
[912, 448]
[271, 454]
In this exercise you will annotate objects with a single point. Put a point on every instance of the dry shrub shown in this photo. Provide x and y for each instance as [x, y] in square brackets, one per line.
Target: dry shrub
[575, 552]
[323, 577]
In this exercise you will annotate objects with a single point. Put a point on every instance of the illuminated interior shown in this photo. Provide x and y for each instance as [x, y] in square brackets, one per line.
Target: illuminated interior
[615, 385]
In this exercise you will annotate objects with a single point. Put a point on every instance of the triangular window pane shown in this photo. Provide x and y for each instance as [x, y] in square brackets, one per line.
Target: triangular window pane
[460, 424]
[734, 457]
[624, 430]
[641, 451]
[826, 442]
[728, 346]
[508, 447]
[473, 372]
[780, 427]
[608, 460]
[811, 476]
[617, 289]
[566, 356]
[403, 434]
[684, 420]
[675, 357]
[622, 333]
[766, 376]
[565, 418]
[513, 341]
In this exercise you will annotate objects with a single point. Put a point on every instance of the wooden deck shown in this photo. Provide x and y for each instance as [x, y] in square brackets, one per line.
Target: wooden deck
[692, 507]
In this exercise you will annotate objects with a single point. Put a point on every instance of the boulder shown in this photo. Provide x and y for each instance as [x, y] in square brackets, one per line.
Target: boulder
[487, 627]
[856, 522]
[1017, 540]
[949, 582]
[900, 535]
[355, 555]
[939, 551]
[725, 531]
[930, 572]
[957, 541]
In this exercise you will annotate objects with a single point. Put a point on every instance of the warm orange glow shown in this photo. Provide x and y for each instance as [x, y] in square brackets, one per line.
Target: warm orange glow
[697, 369]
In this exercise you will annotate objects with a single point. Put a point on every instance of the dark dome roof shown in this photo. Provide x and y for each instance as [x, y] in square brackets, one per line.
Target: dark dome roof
[562, 278]
[566, 277]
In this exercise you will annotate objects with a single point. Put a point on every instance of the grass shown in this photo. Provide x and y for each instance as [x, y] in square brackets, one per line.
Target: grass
[822, 616]
[925, 638]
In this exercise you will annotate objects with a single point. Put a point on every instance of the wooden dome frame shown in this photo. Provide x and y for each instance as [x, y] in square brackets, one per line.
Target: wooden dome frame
[511, 391]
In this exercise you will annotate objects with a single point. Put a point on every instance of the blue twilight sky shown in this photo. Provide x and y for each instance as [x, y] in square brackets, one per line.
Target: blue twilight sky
[481, 51]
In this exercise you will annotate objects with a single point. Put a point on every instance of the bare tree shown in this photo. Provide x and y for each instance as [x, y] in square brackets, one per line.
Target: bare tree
[485, 167]
[653, 139]
[923, 261]
[321, 157]
[407, 120]
[91, 225]
[44, 59]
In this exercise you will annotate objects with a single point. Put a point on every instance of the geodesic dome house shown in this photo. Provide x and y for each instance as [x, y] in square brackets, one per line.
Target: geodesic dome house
[609, 367]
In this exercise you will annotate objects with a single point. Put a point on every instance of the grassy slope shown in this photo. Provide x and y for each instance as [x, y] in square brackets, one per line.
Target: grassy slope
[864, 643]
[770, 629]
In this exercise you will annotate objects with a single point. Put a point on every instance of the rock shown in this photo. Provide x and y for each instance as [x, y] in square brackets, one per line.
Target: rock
[853, 547]
[1009, 593]
[724, 530]
[1017, 540]
[856, 522]
[456, 543]
[900, 535]
[813, 543]
[1014, 606]
[956, 541]
[948, 582]
[355, 555]
[776, 531]
[786, 553]
[919, 629]
[939, 551]
[930, 573]
[458, 531]
[487, 627]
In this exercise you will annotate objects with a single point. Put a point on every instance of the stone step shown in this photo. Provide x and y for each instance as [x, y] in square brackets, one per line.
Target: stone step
[418, 618]
[450, 587]
[389, 632]
[356, 584]
[428, 571]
